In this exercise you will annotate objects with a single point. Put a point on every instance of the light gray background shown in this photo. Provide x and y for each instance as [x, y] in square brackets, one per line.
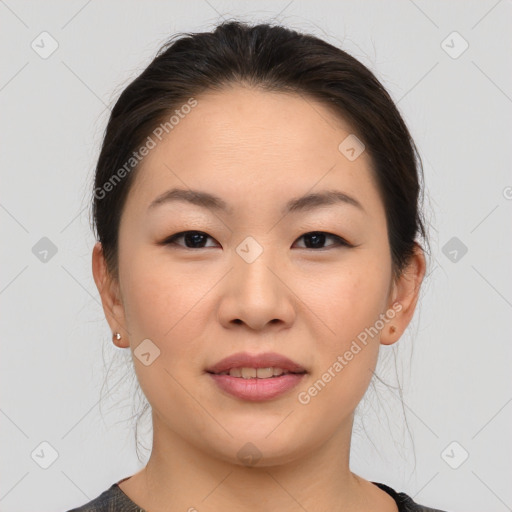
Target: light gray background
[54, 335]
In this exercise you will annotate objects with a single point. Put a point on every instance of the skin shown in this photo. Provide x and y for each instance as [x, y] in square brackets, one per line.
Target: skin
[256, 150]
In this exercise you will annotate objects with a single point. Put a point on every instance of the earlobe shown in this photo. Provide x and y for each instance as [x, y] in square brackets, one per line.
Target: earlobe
[390, 334]
[116, 339]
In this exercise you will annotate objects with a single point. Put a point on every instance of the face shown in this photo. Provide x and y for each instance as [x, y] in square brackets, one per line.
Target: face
[254, 277]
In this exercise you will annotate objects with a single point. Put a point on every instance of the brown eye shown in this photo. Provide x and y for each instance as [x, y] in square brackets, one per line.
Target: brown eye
[193, 239]
[316, 239]
[198, 239]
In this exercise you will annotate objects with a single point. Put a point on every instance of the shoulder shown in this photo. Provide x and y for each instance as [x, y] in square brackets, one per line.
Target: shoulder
[113, 499]
[404, 502]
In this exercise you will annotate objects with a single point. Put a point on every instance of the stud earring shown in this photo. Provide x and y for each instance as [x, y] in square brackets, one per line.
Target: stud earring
[116, 337]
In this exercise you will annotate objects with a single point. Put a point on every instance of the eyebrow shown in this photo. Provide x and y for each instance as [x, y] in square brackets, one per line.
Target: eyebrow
[210, 201]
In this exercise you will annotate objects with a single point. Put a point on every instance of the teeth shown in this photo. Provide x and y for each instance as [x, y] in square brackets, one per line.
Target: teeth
[251, 373]
[234, 372]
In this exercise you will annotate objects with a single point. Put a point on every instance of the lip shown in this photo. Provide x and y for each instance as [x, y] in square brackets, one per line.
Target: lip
[257, 390]
[265, 360]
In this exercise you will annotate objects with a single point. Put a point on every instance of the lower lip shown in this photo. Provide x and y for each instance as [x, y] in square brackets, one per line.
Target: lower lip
[257, 389]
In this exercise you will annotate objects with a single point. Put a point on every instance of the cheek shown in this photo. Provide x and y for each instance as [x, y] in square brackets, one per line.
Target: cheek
[348, 301]
[349, 305]
[163, 302]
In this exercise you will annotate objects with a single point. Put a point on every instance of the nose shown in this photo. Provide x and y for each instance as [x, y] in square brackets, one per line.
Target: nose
[256, 294]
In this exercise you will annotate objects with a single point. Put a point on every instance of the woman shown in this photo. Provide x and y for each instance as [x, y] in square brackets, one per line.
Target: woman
[256, 210]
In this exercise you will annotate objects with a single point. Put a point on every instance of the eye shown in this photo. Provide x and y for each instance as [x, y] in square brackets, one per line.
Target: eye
[316, 238]
[197, 239]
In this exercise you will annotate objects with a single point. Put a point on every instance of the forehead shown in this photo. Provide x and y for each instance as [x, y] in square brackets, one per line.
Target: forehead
[242, 141]
[239, 122]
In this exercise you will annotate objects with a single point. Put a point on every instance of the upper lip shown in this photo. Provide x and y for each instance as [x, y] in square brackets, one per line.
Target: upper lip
[265, 360]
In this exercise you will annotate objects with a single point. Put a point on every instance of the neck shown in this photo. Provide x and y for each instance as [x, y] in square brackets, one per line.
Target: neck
[180, 476]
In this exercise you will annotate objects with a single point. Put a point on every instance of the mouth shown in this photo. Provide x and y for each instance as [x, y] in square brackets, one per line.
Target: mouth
[256, 366]
[257, 373]
[256, 377]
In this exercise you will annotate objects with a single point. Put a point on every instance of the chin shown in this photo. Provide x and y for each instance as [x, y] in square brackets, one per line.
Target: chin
[260, 450]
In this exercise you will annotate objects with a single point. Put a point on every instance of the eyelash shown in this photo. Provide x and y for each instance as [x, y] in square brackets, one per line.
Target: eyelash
[172, 240]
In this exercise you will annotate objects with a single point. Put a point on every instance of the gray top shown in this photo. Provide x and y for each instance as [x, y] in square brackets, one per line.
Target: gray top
[115, 500]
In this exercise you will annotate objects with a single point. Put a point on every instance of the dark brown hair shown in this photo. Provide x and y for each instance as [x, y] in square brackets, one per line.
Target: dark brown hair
[273, 58]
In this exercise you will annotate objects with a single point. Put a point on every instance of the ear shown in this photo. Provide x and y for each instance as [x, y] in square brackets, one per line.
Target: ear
[109, 291]
[404, 296]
